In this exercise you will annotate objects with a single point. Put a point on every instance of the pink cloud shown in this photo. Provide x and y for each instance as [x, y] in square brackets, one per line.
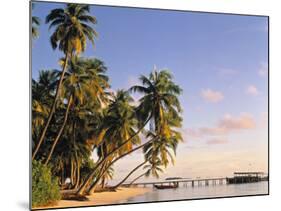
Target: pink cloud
[225, 125]
[211, 95]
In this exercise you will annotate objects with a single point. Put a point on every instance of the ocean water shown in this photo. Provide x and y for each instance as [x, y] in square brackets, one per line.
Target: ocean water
[198, 192]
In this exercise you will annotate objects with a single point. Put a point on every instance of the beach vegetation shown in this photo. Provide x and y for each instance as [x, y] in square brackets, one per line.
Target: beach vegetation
[45, 186]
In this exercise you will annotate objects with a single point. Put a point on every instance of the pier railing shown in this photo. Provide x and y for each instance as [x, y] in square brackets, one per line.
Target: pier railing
[185, 183]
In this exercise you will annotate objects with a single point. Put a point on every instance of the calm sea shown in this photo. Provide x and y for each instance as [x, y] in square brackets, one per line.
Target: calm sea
[201, 192]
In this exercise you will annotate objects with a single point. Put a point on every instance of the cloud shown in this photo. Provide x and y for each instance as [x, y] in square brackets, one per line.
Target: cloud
[263, 70]
[215, 141]
[211, 95]
[225, 125]
[230, 123]
[252, 90]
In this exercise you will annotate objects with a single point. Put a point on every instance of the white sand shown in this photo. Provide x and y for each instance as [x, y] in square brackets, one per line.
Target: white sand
[102, 198]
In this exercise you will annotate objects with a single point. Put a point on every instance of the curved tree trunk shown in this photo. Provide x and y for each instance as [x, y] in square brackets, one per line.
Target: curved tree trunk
[122, 181]
[61, 130]
[88, 178]
[136, 178]
[53, 108]
[92, 188]
[99, 176]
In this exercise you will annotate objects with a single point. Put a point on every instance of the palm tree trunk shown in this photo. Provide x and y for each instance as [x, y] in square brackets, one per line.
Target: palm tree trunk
[53, 108]
[103, 182]
[77, 175]
[62, 175]
[99, 176]
[136, 178]
[61, 130]
[92, 188]
[88, 178]
[72, 172]
[122, 181]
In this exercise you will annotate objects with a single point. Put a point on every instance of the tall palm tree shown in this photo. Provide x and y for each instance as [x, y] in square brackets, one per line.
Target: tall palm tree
[71, 32]
[84, 80]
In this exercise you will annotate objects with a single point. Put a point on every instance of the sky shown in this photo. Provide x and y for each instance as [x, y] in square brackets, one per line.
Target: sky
[220, 62]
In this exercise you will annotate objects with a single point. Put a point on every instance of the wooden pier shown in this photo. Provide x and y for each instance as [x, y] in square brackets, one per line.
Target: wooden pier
[247, 177]
[239, 177]
[184, 183]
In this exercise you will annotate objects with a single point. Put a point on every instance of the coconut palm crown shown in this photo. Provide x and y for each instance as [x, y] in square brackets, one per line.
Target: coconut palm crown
[71, 27]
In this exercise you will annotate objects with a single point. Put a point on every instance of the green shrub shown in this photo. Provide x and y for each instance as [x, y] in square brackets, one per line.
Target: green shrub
[45, 188]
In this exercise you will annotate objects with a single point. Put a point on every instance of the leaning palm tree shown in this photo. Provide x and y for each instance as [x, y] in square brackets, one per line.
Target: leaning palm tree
[119, 125]
[160, 97]
[130, 173]
[161, 94]
[71, 32]
[153, 168]
[107, 176]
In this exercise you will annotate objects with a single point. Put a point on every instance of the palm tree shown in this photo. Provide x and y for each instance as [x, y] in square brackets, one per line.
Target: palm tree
[153, 168]
[71, 32]
[119, 125]
[92, 187]
[161, 94]
[84, 80]
[74, 148]
[160, 98]
[42, 90]
[107, 176]
[35, 22]
[131, 172]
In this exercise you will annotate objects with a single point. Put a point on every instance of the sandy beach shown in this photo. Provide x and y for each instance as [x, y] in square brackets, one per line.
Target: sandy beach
[102, 198]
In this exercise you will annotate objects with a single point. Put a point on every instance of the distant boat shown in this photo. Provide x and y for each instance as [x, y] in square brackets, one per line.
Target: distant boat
[174, 185]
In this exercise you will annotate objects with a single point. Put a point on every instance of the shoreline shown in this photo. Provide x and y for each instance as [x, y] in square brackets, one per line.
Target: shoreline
[102, 198]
